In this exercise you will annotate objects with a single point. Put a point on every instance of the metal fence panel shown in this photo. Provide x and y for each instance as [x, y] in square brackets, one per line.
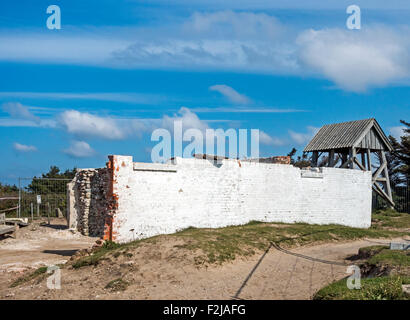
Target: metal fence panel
[42, 197]
[401, 198]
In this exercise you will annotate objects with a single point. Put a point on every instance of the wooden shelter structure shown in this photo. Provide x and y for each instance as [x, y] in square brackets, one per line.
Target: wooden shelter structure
[347, 141]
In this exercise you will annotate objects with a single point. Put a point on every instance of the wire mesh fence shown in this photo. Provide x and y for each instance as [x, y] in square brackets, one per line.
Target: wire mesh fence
[401, 198]
[42, 197]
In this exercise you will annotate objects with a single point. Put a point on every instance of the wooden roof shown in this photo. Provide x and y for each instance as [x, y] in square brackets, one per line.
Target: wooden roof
[360, 134]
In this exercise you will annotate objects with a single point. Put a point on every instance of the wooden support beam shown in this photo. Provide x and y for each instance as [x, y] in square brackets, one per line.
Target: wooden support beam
[352, 155]
[378, 171]
[386, 175]
[331, 160]
[383, 194]
[359, 164]
[315, 157]
[347, 163]
[363, 156]
[369, 160]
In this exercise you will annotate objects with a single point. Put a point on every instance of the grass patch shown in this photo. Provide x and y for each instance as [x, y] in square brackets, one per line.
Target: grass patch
[381, 288]
[31, 276]
[96, 256]
[395, 258]
[117, 285]
[389, 218]
[225, 244]
[112, 248]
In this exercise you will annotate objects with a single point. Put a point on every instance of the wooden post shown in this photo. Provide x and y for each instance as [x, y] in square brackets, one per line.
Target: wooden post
[352, 155]
[331, 161]
[369, 160]
[344, 159]
[315, 157]
[32, 211]
[363, 159]
[38, 210]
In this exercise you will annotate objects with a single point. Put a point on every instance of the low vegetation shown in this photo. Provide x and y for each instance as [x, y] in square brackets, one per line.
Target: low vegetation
[26, 278]
[380, 288]
[226, 244]
[117, 285]
[387, 271]
[390, 218]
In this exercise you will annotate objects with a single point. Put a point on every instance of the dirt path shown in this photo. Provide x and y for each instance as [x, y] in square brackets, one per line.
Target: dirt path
[38, 245]
[164, 271]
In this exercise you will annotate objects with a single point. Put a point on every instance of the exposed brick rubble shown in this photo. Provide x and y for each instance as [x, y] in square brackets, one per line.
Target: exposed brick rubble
[278, 160]
[91, 187]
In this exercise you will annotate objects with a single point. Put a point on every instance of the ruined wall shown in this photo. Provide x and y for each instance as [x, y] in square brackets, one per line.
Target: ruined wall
[87, 197]
[146, 199]
[164, 198]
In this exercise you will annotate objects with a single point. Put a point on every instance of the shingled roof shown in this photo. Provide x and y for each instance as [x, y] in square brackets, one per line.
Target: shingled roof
[360, 134]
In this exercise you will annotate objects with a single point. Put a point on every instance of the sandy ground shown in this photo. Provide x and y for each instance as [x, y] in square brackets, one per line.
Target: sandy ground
[161, 270]
[39, 245]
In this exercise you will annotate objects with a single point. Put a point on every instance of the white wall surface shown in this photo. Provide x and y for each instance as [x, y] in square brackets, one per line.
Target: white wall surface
[159, 199]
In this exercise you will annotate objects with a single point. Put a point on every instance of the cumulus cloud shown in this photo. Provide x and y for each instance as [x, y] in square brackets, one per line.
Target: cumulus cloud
[303, 138]
[188, 118]
[254, 42]
[230, 93]
[266, 139]
[18, 111]
[84, 124]
[80, 149]
[356, 61]
[23, 148]
[397, 132]
[230, 24]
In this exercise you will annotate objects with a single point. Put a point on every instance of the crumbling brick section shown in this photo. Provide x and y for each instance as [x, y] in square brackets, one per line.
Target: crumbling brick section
[112, 200]
[281, 159]
[277, 159]
[91, 186]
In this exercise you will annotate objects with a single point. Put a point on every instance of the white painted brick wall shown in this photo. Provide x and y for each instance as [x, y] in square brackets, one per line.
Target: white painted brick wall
[200, 194]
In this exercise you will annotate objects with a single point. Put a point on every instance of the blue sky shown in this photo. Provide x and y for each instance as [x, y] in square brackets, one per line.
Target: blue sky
[119, 69]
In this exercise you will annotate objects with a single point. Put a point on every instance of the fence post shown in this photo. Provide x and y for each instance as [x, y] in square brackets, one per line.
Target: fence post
[19, 209]
[48, 213]
[32, 211]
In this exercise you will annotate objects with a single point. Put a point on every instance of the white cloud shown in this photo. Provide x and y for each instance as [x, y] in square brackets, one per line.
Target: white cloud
[233, 25]
[245, 110]
[356, 61]
[397, 132]
[19, 111]
[303, 138]
[284, 4]
[375, 56]
[126, 97]
[266, 139]
[88, 125]
[80, 149]
[78, 47]
[230, 93]
[23, 148]
[187, 117]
